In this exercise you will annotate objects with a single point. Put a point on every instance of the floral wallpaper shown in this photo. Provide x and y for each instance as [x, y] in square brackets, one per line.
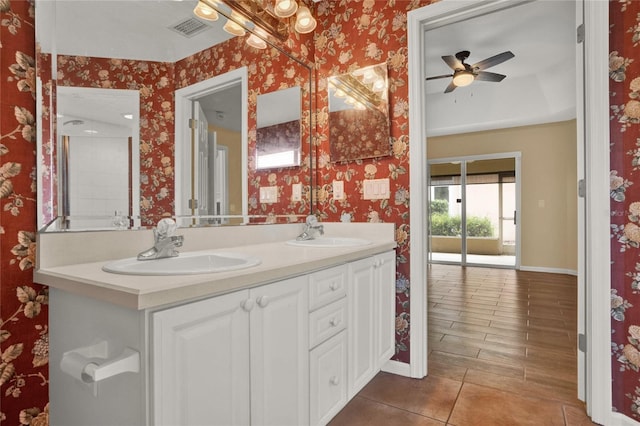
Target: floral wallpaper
[352, 34]
[624, 86]
[358, 134]
[24, 337]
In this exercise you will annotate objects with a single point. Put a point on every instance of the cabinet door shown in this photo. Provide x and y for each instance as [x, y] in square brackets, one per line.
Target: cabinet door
[386, 277]
[361, 293]
[280, 353]
[201, 363]
[328, 372]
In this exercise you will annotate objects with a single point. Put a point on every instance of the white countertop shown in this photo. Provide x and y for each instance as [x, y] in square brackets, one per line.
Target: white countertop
[279, 261]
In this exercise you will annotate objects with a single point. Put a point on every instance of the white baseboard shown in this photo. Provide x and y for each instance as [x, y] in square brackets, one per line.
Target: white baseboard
[397, 367]
[618, 419]
[549, 270]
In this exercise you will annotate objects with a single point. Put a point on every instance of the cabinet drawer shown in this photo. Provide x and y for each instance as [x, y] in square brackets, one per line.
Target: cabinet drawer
[326, 322]
[327, 286]
[328, 379]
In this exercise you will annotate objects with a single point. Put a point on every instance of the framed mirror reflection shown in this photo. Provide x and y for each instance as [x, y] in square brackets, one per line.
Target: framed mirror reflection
[359, 114]
[93, 45]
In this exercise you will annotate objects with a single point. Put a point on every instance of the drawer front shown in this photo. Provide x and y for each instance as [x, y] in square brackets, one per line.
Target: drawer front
[327, 321]
[327, 286]
[328, 379]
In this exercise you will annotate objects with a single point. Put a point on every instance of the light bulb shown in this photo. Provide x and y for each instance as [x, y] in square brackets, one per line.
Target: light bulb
[285, 8]
[205, 11]
[233, 28]
[463, 78]
[305, 23]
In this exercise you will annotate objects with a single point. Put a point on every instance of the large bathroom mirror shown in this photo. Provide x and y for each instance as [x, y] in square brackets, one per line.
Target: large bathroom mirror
[359, 114]
[156, 49]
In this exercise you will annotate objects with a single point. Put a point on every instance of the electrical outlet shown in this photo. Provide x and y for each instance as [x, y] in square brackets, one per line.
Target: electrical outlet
[268, 194]
[338, 190]
[375, 189]
[296, 192]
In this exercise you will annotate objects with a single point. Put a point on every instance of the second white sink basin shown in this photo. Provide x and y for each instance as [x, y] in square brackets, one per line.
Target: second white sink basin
[334, 242]
[189, 263]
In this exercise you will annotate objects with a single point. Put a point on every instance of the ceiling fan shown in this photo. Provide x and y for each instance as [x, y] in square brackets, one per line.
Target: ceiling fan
[465, 74]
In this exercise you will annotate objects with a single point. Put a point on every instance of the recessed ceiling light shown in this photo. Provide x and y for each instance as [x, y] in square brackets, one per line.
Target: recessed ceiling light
[128, 116]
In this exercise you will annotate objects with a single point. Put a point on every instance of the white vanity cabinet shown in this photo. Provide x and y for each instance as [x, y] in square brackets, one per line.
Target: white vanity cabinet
[371, 295]
[235, 359]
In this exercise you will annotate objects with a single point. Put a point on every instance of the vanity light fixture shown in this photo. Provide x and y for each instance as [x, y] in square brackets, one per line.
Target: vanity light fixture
[305, 23]
[463, 78]
[274, 18]
[256, 39]
[285, 8]
[206, 12]
[233, 28]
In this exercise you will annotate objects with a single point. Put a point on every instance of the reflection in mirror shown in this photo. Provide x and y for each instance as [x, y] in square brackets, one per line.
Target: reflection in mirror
[359, 114]
[211, 125]
[278, 129]
[99, 156]
[150, 49]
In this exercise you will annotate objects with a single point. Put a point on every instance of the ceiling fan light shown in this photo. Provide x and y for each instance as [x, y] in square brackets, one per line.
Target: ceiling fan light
[305, 23]
[463, 78]
[205, 12]
[233, 28]
[285, 8]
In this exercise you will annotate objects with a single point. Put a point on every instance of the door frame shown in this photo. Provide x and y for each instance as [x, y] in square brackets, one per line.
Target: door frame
[183, 100]
[593, 98]
[517, 157]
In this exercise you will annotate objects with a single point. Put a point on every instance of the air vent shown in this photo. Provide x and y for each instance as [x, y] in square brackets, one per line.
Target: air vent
[189, 27]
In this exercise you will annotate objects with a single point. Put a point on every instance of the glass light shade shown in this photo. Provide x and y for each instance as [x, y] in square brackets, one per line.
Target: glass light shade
[233, 28]
[257, 42]
[379, 85]
[463, 78]
[305, 23]
[205, 11]
[285, 8]
[339, 93]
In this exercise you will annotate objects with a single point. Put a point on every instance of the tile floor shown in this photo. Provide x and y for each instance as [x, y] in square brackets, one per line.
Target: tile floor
[502, 348]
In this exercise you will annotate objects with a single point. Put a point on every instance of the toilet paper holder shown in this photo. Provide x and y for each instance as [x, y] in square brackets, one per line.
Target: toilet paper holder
[91, 364]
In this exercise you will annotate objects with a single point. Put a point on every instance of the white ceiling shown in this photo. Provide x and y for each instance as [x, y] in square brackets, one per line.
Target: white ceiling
[540, 83]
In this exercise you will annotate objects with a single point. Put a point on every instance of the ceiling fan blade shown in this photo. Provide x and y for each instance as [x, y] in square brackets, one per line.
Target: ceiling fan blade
[489, 76]
[439, 76]
[453, 62]
[493, 61]
[450, 88]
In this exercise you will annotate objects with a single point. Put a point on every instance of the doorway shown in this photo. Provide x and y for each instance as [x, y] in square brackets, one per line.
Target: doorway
[593, 116]
[473, 203]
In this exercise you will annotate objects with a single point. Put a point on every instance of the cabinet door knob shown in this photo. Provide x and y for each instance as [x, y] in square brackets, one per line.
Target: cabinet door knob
[247, 305]
[263, 301]
[335, 381]
[334, 286]
[334, 322]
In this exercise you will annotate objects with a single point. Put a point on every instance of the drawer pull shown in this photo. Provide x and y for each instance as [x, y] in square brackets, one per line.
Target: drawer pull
[334, 286]
[335, 381]
[334, 322]
[263, 301]
[247, 305]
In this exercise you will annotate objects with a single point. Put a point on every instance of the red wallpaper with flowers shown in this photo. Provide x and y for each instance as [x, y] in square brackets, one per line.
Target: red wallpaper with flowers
[624, 85]
[24, 338]
[353, 34]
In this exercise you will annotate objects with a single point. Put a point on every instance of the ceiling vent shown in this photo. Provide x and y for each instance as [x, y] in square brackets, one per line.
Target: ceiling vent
[189, 27]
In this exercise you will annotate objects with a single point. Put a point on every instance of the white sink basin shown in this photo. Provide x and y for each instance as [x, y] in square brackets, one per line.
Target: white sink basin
[335, 242]
[190, 263]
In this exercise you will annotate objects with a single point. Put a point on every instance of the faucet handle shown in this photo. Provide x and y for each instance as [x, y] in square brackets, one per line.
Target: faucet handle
[165, 228]
[311, 220]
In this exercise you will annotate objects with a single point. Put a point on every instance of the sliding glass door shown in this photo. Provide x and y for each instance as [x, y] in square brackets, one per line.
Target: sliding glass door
[472, 218]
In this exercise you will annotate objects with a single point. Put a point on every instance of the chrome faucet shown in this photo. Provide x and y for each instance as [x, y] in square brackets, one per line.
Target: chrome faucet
[165, 243]
[311, 229]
